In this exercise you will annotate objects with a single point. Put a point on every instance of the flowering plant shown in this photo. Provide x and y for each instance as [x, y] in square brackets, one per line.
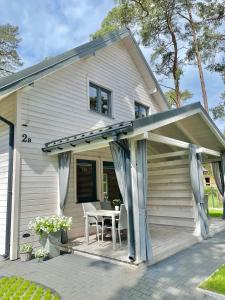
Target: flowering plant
[117, 202]
[26, 248]
[52, 224]
[41, 253]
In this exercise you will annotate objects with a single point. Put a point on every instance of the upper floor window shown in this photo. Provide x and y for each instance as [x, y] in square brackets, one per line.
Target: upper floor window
[141, 110]
[100, 99]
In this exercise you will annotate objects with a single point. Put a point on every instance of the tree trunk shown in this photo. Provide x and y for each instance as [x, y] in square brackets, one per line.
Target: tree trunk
[176, 75]
[198, 56]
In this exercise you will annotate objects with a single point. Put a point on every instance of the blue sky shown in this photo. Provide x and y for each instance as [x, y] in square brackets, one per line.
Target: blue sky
[50, 27]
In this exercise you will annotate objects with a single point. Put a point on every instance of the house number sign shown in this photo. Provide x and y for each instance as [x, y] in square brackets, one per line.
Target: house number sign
[25, 138]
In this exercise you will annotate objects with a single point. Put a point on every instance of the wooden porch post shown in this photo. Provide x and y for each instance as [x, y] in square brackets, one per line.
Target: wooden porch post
[133, 152]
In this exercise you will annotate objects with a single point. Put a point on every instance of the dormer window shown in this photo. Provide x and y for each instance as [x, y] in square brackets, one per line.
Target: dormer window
[141, 110]
[99, 99]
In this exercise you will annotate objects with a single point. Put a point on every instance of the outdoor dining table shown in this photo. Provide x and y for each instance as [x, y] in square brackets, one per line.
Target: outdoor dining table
[103, 213]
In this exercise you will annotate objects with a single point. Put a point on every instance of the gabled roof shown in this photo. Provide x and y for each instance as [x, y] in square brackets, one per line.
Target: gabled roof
[156, 121]
[27, 76]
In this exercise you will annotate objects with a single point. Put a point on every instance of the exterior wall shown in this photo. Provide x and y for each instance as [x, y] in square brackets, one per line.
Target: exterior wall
[7, 110]
[57, 106]
[170, 199]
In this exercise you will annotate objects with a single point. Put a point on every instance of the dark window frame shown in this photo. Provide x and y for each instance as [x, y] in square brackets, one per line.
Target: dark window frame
[93, 198]
[140, 105]
[99, 102]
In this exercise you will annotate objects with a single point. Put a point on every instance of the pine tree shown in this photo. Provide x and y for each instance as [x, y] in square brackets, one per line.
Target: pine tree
[157, 26]
[9, 57]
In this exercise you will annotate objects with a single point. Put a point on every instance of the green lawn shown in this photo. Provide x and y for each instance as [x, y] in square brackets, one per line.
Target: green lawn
[214, 202]
[216, 282]
[215, 212]
[16, 288]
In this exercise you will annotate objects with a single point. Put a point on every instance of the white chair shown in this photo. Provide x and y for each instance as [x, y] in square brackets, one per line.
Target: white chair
[121, 223]
[93, 221]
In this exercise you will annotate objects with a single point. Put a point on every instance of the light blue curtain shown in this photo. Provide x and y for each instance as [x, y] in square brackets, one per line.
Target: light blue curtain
[142, 169]
[196, 174]
[219, 175]
[64, 160]
[121, 159]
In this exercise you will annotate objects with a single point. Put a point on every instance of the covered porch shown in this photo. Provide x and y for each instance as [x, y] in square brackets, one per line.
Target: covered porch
[165, 214]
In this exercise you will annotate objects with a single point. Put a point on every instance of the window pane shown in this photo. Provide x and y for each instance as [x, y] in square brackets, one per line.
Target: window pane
[105, 185]
[112, 190]
[100, 99]
[141, 111]
[93, 94]
[86, 181]
[105, 98]
[136, 111]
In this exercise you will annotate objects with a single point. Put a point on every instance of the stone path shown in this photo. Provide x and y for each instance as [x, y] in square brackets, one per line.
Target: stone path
[77, 277]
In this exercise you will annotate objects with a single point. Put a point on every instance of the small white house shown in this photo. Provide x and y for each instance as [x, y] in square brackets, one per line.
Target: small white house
[99, 108]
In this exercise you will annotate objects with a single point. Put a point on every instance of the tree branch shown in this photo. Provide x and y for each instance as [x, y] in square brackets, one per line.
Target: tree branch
[142, 7]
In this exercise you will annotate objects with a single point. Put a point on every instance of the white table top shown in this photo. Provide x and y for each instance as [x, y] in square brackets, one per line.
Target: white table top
[103, 213]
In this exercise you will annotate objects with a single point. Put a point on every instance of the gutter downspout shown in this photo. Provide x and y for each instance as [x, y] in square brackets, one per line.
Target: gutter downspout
[10, 183]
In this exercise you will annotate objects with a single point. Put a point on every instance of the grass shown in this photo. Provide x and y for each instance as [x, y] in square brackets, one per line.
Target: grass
[216, 282]
[214, 202]
[215, 212]
[17, 288]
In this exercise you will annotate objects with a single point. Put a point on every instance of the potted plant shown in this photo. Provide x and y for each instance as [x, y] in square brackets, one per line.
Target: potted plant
[26, 252]
[49, 230]
[41, 254]
[116, 203]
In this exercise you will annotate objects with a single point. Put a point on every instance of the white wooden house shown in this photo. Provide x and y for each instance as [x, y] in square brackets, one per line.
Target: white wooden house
[95, 86]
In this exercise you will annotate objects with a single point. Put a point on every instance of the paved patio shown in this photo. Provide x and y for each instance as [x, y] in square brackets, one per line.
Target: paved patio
[77, 277]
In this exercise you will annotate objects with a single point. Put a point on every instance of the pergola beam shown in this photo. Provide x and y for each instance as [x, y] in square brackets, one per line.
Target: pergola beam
[102, 143]
[166, 140]
[94, 145]
[174, 142]
[208, 151]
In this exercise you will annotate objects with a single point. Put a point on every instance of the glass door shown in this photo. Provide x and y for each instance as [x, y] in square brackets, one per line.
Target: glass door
[110, 185]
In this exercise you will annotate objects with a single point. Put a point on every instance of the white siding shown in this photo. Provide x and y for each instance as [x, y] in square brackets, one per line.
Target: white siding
[57, 106]
[170, 198]
[7, 110]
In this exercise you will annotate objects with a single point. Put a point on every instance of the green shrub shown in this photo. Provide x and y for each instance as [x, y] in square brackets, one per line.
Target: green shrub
[26, 248]
[16, 288]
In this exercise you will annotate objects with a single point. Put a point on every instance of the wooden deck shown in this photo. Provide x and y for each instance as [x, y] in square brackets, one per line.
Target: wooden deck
[166, 241]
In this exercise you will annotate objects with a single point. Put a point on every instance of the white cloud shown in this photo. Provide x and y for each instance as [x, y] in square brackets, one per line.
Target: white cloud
[52, 27]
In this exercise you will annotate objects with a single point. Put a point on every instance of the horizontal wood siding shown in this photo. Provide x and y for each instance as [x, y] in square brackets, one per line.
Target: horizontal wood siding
[7, 110]
[57, 106]
[170, 200]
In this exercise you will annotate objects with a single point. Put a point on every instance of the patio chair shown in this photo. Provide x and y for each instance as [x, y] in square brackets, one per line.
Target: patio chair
[92, 220]
[121, 223]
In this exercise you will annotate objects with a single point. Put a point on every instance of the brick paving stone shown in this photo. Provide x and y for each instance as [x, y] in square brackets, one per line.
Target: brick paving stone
[81, 278]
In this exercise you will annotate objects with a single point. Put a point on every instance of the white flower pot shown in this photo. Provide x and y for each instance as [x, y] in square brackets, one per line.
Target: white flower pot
[26, 256]
[117, 208]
